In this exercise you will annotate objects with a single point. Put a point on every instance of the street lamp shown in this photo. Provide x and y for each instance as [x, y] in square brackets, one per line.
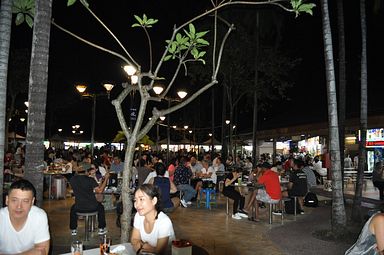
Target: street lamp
[158, 88]
[81, 88]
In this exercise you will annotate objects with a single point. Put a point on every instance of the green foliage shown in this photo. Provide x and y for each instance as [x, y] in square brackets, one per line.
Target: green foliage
[298, 6]
[24, 10]
[192, 41]
[144, 22]
[83, 2]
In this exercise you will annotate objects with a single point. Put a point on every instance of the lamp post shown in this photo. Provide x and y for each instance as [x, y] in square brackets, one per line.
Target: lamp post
[229, 137]
[81, 88]
[157, 88]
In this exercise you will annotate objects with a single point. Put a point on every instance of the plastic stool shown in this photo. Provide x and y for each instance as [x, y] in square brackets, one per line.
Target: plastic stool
[89, 222]
[210, 197]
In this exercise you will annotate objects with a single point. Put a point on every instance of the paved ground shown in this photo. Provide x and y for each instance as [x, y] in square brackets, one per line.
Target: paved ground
[218, 234]
[297, 237]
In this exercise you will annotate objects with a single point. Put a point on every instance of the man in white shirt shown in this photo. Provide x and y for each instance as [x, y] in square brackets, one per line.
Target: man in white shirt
[23, 226]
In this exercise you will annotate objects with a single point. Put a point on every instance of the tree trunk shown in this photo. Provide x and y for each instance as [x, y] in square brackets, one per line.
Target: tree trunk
[356, 213]
[37, 96]
[126, 193]
[256, 81]
[5, 38]
[338, 209]
[342, 80]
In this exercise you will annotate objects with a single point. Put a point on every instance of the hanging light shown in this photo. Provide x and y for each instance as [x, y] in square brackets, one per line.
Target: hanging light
[108, 87]
[134, 79]
[227, 122]
[158, 88]
[130, 70]
[182, 94]
[81, 88]
[162, 118]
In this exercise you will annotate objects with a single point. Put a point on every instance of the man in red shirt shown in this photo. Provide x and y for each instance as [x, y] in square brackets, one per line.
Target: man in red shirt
[271, 191]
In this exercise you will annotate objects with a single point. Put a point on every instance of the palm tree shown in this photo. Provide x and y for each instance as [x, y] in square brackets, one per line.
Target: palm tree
[356, 212]
[5, 38]
[338, 209]
[38, 82]
[342, 80]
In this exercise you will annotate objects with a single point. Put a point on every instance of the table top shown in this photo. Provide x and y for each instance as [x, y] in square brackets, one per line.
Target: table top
[96, 251]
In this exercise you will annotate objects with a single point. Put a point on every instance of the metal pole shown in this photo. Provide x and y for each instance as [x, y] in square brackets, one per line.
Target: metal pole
[157, 138]
[93, 123]
[168, 133]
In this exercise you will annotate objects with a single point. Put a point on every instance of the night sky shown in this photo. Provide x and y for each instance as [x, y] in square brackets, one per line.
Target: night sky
[73, 62]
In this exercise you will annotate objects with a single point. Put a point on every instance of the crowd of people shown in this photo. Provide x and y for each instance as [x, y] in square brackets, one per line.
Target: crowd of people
[166, 186]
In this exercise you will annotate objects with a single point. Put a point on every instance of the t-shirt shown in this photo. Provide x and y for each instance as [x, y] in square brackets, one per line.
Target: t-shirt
[83, 187]
[153, 175]
[299, 180]
[165, 187]
[163, 227]
[271, 182]
[117, 168]
[35, 230]
[229, 188]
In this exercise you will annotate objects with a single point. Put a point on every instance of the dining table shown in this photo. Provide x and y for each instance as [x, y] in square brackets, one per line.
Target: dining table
[128, 250]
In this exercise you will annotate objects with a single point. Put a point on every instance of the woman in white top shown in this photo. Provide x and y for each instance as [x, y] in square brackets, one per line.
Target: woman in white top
[152, 229]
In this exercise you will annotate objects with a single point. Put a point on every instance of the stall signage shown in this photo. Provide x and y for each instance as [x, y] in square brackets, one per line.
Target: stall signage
[375, 137]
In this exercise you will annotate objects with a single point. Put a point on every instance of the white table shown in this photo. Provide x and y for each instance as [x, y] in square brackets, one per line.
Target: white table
[96, 251]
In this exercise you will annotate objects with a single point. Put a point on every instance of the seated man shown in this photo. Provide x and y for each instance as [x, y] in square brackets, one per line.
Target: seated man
[168, 191]
[182, 177]
[84, 187]
[206, 177]
[271, 191]
[23, 226]
[230, 192]
[297, 186]
[117, 165]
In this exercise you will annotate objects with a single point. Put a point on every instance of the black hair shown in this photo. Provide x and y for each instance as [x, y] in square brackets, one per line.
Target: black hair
[298, 162]
[160, 168]
[24, 185]
[152, 191]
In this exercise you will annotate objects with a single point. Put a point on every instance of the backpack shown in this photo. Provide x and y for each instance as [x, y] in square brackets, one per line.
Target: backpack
[290, 206]
[310, 200]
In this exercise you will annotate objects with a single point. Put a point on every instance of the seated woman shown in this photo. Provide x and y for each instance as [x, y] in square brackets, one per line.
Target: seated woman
[152, 229]
[253, 177]
[169, 195]
[230, 192]
[371, 239]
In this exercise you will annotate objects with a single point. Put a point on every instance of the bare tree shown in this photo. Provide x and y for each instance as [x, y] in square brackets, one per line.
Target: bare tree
[183, 48]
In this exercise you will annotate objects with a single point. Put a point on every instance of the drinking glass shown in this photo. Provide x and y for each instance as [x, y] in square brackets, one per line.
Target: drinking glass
[77, 248]
[105, 244]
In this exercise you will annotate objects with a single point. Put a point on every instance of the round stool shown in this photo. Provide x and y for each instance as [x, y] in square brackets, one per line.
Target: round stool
[89, 222]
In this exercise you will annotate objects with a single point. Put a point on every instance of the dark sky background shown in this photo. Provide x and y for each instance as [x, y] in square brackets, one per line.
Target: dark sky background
[74, 62]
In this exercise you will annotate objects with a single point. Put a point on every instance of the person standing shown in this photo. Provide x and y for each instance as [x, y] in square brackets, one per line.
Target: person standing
[20, 220]
[84, 188]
